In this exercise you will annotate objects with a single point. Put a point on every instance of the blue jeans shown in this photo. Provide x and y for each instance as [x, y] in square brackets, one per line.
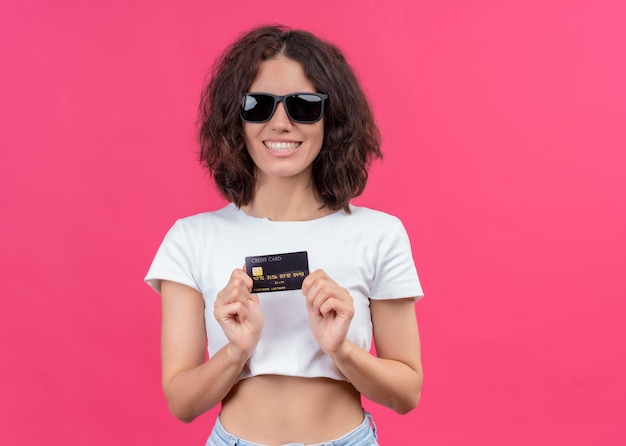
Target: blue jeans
[363, 435]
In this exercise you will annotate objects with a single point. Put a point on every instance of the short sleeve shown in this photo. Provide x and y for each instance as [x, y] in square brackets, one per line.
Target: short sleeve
[173, 260]
[396, 275]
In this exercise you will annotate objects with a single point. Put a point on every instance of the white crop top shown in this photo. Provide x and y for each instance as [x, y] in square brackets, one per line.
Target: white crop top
[367, 252]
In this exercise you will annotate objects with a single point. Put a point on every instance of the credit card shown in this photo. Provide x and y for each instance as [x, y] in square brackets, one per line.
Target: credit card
[277, 272]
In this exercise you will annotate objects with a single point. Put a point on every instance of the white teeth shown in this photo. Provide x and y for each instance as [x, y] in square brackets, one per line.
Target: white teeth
[281, 146]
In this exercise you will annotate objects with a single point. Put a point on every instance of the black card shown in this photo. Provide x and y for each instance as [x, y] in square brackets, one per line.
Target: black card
[277, 272]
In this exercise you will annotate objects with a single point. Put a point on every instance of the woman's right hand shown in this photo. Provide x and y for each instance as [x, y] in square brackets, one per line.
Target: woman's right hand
[239, 313]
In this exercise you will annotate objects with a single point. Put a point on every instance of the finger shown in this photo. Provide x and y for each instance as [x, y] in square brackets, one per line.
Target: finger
[235, 310]
[253, 297]
[322, 291]
[241, 277]
[309, 281]
[338, 307]
[328, 307]
[312, 295]
[238, 285]
[313, 282]
[239, 295]
[232, 293]
[321, 284]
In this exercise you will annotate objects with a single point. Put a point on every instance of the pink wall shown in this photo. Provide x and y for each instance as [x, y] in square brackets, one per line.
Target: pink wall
[504, 130]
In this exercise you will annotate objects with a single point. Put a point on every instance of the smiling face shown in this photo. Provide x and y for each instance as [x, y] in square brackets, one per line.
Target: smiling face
[281, 147]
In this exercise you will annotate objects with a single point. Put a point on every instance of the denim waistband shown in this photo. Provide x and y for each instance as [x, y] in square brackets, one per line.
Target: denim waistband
[362, 435]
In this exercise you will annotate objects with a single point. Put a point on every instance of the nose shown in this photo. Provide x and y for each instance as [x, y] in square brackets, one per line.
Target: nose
[280, 121]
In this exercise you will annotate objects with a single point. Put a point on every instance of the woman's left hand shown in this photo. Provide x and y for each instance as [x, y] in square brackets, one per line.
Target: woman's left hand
[330, 308]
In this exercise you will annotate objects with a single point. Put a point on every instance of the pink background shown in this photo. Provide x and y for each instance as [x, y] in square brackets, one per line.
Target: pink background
[504, 132]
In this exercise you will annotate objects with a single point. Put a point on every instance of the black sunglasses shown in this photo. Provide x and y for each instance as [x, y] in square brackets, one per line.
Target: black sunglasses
[303, 108]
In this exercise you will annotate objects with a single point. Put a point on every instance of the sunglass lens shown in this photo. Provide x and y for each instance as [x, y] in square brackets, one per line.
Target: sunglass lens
[304, 107]
[257, 107]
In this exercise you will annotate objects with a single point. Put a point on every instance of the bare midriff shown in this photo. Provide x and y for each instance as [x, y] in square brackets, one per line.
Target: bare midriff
[274, 410]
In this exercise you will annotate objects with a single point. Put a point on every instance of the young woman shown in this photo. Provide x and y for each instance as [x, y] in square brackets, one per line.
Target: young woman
[288, 136]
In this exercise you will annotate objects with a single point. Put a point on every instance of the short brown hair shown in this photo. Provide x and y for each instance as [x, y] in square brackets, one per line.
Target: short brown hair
[351, 138]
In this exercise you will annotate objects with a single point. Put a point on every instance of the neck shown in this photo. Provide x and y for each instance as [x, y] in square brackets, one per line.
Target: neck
[286, 199]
